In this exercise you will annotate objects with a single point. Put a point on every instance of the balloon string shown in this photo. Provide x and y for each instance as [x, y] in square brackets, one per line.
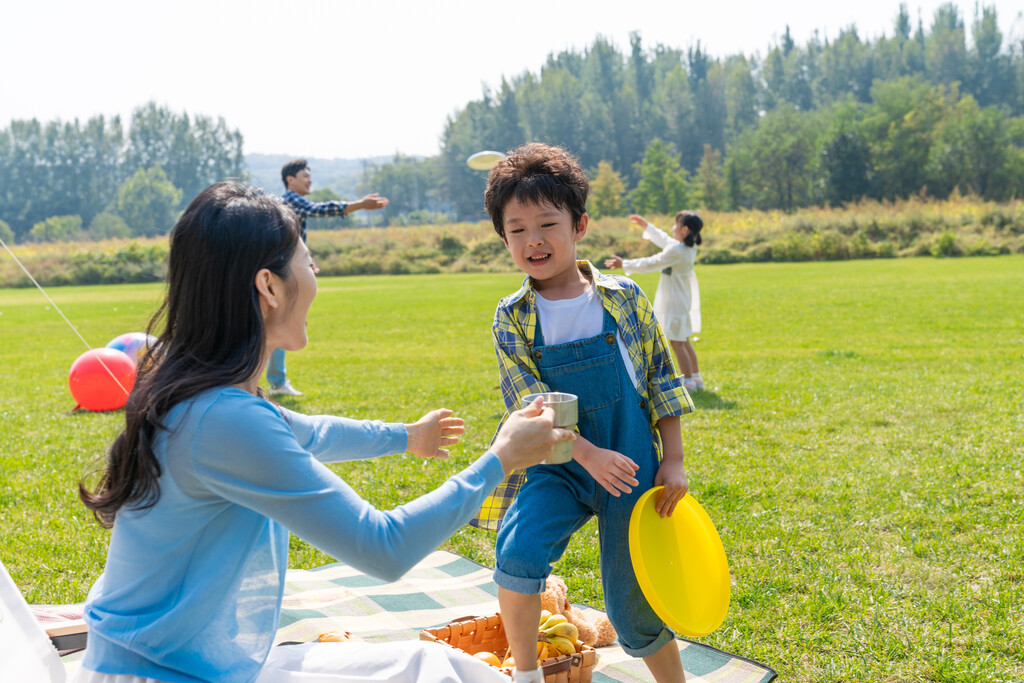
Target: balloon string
[57, 308]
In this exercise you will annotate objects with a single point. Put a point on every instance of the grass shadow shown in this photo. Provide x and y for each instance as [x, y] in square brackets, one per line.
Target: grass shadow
[709, 400]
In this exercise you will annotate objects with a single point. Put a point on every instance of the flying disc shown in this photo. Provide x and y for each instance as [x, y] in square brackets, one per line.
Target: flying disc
[680, 564]
[484, 161]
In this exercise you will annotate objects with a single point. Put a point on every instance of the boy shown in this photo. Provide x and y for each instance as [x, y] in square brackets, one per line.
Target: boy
[572, 329]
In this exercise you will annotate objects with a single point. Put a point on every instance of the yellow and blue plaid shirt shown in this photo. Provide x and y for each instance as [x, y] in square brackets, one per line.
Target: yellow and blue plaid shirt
[514, 330]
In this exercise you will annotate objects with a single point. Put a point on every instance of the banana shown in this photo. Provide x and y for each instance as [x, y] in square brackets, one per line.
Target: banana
[544, 616]
[552, 620]
[562, 644]
[564, 630]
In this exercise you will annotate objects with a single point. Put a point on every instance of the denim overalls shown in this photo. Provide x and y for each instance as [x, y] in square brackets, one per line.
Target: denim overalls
[556, 500]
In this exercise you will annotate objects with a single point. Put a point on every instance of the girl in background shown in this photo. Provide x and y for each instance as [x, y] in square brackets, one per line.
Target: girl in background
[677, 301]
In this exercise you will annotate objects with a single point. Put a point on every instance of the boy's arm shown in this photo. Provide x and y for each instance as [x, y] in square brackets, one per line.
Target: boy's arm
[516, 370]
[671, 473]
[666, 394]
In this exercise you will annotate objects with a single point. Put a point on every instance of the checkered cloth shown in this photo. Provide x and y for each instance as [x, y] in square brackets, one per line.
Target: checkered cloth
[438, 590]
[442, 588]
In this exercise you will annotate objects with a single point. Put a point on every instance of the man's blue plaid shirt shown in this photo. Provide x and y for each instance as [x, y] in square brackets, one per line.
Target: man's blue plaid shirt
[303, 208]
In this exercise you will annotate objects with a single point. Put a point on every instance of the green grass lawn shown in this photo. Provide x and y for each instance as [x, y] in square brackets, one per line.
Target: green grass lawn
[860, 446]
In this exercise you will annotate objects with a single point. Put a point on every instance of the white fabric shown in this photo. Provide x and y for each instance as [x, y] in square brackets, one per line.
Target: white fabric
[86, 676]
[582, 317]
[26, 653]
[677, 301]
[410, 661]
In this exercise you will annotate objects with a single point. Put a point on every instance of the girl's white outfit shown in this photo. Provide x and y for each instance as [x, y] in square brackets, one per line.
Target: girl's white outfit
[677, 301]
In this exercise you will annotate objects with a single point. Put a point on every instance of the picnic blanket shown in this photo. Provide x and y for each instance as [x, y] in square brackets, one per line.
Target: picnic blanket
[444, 587]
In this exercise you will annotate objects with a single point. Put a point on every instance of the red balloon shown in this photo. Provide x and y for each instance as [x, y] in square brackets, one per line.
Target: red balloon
[100, 379]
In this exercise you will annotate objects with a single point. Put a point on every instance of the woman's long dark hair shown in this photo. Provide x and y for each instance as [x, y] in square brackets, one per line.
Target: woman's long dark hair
[213, 331]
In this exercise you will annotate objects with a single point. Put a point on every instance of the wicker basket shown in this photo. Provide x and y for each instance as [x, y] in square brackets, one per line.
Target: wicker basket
[487, 634]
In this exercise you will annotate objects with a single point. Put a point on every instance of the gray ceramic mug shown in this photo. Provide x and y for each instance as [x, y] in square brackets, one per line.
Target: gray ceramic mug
[564, 407]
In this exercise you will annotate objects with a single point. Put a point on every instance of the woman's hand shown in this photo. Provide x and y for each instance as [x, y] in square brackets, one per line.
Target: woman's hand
[672, 475]
[528, 436]
[611, 469]
[614, 262]
[430, 436]
[638, 220]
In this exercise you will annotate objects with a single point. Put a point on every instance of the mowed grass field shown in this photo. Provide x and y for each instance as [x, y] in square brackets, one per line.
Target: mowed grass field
[860, 447]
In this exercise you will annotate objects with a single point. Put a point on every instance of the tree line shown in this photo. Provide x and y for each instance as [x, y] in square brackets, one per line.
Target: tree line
[68, 180]
[918, 112]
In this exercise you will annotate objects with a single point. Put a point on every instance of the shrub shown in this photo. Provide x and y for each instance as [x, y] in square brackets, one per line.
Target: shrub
[106, 226]
[945, 244]
[6, 234]
[57, 229]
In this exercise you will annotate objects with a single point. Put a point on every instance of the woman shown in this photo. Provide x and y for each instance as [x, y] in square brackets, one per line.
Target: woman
[677, 301]
[207, 479]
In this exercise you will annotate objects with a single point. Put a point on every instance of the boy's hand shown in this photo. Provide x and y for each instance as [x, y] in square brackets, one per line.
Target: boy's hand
[614, 262]
[610, 469]
[638, 220]
[432, 433]
[672, 475]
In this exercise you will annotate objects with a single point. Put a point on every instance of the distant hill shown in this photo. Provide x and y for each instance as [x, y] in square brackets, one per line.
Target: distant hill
[341, 175]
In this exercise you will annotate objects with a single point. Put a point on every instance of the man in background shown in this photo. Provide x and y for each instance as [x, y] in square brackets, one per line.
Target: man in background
[297, 182]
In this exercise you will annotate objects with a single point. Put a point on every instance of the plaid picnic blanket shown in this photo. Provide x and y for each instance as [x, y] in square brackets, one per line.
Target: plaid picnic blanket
[444, 587]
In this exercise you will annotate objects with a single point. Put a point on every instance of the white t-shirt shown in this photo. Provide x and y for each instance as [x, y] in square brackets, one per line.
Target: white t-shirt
[568, 320]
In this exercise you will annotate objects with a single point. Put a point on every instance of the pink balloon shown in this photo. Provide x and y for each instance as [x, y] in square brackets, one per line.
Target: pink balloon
[100, 379]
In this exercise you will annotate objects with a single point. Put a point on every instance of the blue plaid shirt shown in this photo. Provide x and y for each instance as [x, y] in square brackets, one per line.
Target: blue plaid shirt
[303, 207]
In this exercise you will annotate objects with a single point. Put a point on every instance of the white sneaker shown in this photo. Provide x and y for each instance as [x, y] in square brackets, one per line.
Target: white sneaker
[285, 389]
[689, 384]
[698, 384]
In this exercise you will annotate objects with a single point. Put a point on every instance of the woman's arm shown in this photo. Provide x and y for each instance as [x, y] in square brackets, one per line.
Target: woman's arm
[246, 453]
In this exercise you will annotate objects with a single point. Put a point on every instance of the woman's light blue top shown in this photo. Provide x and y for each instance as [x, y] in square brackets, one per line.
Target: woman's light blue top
[192, 587]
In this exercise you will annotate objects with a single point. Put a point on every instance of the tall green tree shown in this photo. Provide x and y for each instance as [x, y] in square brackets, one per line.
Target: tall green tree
[946, 47]
[662, 187]
[899, 127]
[709, 180]
[148, 202]
[988, 67]
[969, 150]
[193, 151]
[606, 192]
[774, 159]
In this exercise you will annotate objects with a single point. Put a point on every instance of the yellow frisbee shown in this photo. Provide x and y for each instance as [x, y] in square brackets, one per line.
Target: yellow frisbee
[680, 564]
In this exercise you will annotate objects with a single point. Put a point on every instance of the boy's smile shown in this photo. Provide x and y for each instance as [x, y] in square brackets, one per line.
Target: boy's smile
[542, 241]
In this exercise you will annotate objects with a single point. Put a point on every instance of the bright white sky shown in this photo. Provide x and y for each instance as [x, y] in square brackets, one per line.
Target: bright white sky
[355, 79]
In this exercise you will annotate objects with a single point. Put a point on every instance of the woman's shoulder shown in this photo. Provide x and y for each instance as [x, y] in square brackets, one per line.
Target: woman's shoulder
[226, 403]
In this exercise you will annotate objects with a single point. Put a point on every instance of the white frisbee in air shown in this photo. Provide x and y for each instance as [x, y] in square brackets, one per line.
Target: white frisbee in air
[484, 161]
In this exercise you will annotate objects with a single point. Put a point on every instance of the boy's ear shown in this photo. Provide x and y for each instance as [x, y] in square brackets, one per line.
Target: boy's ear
[581, 228]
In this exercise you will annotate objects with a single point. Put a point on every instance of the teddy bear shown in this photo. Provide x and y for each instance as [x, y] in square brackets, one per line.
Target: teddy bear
[555, 599]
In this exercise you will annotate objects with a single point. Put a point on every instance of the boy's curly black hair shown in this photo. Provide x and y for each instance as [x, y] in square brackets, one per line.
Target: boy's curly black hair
[536, 173]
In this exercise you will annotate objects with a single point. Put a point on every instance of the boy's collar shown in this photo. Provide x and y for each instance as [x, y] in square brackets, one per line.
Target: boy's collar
[586, 267]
